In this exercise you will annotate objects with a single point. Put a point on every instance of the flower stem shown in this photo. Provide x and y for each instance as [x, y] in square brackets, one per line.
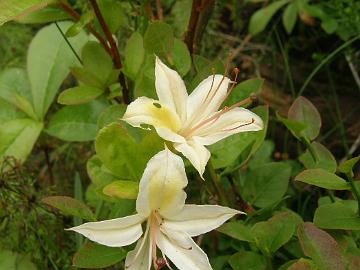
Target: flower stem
[114, 49]
[354, 190]
[216, 180]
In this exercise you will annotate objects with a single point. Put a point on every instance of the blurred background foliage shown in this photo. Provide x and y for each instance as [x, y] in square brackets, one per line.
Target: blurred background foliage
[299, 47]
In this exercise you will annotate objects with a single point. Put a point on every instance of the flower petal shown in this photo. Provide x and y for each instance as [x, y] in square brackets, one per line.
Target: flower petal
[206, 98]
[199, 219]
[140, 257]
[234, 121]
[182, 251]
[148, 111]
[170, 88]
[161, 186]
[195, 152]
[114, 232]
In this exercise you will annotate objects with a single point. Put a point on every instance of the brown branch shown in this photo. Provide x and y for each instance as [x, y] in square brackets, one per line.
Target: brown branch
[76, 17]
[194, 18]
[247, 208]
[114, 49]
[197, 23]
[159, 9]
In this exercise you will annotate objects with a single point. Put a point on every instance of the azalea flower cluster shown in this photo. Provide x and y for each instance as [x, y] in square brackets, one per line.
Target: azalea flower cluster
[189, 122]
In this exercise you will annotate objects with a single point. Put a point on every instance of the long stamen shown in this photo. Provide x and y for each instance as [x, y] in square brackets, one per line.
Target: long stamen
[141, 245]
[153, 242]
[242, 125]
[166, 261]
[236, 71]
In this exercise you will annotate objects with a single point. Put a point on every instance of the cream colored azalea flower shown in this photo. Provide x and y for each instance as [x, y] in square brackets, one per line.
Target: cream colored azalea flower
[191, 121]
[170, 223]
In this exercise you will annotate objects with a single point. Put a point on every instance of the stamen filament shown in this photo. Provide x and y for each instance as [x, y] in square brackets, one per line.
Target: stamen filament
[242, 125]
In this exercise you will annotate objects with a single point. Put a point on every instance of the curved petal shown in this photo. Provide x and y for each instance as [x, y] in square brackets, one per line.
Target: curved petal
[182, 250]
[170, 88]
[169, 135]
[148, 111]
[199, 219]
[195, 152]
[140, 257]
[114, 232]
[206, 98]
[161, 186]
[234, 121]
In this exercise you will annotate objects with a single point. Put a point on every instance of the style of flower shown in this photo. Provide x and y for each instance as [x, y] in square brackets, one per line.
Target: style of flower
[191, 121]
[170, 223]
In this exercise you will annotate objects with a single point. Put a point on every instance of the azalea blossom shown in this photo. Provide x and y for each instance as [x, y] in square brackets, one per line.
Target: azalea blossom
[170, 223]
[191, 121]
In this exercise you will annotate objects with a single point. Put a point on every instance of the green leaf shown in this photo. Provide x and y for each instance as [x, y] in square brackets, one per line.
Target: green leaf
[122, 189]
[44, 15]
[97, 256]
[48, 61]
[247, 260]
[15, 89]
[303, 264]
[122, 155]
[237, 230]
[181, 57]
[325, 160]
[12, 9]
[244, 90]
[76, 123]
[320, 246]
[260, 19]
[347, 166]
[98, 174]
[295, 127]
[266, 184]
[237, 148]
[303, 111]
[97, 63]
[134, 55]
[290, 17]
[14, 261]
[111, 114]
[341, 215]
[272, 234]
[70, 206]
[17, 138]
[78, 26]
[79, 95]
[159, 39]
[329, 25]
[9, 112]
[323, 179]
[114, 14]
[145, 82]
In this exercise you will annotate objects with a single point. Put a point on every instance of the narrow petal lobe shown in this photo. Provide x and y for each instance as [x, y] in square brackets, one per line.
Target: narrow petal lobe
[114, 232]
[161, 186]
[195, 152]
[170, 88]
[199, 219]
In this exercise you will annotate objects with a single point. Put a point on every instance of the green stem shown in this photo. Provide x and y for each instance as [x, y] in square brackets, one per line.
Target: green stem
[215, 178]
[324, 61]
[68, 43]
[354, 190]
[311, 149]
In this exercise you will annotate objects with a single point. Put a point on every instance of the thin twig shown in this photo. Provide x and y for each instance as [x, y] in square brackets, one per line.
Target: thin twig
[159, 9]
[114, 49]
[194, 18]
[68, 43]
[240, 48]
[242, 203]
[76, 17]
[352, 149]
[353, 69]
